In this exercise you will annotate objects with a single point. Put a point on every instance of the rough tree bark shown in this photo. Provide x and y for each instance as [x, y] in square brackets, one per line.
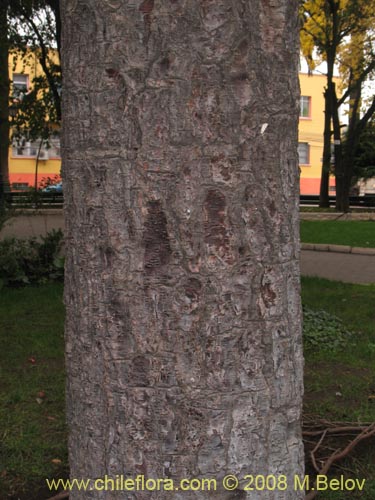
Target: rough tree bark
[4, 101]
[183, 334]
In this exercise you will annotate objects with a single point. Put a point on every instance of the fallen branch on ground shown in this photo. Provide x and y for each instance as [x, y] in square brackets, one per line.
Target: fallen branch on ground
[60, 496]
[337, 455]
[336, 430]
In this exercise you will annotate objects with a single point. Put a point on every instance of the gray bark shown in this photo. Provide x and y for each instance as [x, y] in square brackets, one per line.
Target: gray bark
[4, 102]
[183, 334]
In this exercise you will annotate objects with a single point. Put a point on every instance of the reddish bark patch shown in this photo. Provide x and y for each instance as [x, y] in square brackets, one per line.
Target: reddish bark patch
[215, 227]
[268, 295]
[165, 63]
[142, 468]
[249, 190]
[221, 165]
[272, 208]
[112, 73]
[155, 238]
[130, 222]
[243, 48]
[193, 289]
[272, 24]
[240, 77]
[146, 7]
[109, 255]
[140, 367]
[115, 75]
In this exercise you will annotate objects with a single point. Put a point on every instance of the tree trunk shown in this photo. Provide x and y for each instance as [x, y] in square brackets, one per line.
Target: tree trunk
[339, 165]
[4, 101]
[326, 165]
[183, 329]
[344, 180]
[345, 173]
[343, 185]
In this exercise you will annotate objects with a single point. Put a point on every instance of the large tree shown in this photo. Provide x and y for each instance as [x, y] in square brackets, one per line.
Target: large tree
[180, 168]
[364, 162]
[28, 29]
[36, 34]
[340, 33]
[4, 103]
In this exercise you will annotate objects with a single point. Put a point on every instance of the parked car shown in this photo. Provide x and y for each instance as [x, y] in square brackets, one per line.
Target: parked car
[53, 188]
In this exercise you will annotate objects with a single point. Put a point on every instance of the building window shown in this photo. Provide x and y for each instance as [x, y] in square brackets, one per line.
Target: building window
[21, 147]
[54, 147]
[305, 107]
[20, 85]
[304, 153]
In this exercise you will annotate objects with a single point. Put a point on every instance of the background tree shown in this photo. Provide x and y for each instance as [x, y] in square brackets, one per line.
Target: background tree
[4, 101]
[28, 26]
[340, 32]
[180, 168]
[359, 61]
[364, 162]
[36, 32]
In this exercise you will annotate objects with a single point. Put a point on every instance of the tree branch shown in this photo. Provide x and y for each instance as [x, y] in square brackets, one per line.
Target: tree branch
[60, 496]
[339, 455]
[358, 82]
[43, 61]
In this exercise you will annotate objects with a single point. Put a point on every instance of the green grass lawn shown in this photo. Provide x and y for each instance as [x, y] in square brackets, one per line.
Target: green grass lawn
[350, 371]
[352, 233]
[33, 434]
[32, 407]
[340, 386]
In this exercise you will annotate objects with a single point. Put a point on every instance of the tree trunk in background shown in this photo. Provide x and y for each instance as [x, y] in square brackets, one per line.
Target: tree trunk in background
[4, 101]
[345, 173]
[338, 163]
[326, 165]
[343, 186]
[183, 330]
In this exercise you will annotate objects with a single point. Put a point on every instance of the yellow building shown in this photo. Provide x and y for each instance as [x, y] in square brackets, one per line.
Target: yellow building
[23, 155]
[311, 127]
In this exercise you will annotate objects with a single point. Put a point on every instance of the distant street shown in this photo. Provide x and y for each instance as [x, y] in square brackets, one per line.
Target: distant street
[351, 268]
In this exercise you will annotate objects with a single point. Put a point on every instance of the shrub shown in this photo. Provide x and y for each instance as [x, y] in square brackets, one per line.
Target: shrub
[31, 261]
[323, 331]
[49, 181]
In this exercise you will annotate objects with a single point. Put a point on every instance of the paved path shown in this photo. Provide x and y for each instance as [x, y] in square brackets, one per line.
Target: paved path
[339, 266]
[348, 267]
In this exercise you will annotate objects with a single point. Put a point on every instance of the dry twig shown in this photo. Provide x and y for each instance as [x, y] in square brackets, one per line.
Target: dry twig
[334, 430]
[312, 454]
[339, 454]
[60, 496]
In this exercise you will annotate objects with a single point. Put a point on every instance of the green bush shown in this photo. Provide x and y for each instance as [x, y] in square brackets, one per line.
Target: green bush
[323, 331]
[31, 261]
